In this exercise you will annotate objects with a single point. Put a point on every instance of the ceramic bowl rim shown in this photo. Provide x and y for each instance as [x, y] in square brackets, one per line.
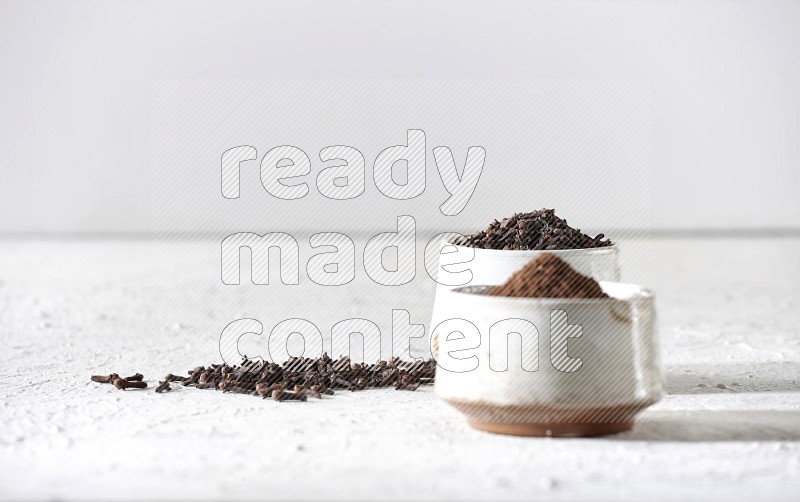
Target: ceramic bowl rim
[523, 253]
[642, 293]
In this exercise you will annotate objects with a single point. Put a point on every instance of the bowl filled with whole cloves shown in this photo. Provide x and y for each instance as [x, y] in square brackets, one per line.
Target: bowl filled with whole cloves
[505, 246]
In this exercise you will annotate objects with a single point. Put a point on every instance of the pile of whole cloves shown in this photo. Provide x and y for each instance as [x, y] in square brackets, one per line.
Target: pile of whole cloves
[300, 378]
[537, 230]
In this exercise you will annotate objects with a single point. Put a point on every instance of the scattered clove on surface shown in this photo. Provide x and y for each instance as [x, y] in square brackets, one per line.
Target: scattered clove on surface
[104, 378]
[131, 382]
[163, 387]
[299, 378]
[122, 384]
[296, 379]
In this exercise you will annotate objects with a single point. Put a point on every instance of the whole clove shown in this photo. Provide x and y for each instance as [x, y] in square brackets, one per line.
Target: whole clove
[409, 386]
[322, 390]
[163, 387]
[122, 384]
[312, 393]
[282, 395]
[104, 378]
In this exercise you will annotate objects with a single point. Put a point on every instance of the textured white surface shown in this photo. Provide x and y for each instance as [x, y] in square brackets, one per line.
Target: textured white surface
[729, 428]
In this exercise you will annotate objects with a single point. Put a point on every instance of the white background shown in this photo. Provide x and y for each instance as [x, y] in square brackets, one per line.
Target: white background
[579, 145]
[75, 154]
[76, 79]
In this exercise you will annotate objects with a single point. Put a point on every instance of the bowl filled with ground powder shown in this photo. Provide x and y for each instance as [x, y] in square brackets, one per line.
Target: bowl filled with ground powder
[505, 246]
[549, 352]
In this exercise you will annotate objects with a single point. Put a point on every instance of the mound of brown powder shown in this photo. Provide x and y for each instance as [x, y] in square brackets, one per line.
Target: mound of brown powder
[548, 276]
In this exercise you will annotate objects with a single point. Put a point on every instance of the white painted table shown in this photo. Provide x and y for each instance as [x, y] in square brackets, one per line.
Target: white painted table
[729, 428]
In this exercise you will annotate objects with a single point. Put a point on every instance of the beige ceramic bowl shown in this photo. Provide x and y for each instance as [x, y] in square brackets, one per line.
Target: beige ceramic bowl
[578, 367]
